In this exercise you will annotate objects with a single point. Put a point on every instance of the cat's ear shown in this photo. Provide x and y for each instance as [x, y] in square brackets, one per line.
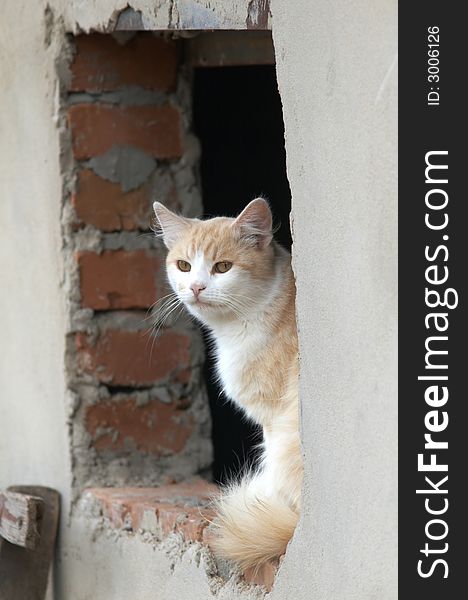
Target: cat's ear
[169, 225]
[255, 223]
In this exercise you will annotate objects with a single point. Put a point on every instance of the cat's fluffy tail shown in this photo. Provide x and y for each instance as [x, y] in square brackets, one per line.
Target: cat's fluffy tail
[252, 527]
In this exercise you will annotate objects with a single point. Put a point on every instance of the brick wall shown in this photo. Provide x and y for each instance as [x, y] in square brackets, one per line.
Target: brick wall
[138, 410]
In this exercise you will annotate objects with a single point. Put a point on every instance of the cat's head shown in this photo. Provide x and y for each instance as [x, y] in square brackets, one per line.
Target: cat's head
[221, 266]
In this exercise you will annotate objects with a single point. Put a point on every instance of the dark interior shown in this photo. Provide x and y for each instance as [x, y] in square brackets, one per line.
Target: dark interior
[238, 119]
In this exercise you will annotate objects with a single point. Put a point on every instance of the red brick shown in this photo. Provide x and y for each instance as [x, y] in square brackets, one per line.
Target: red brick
[129, 358]
[102, 64]
[118, 279]
[156, 427]
[104, 205]
[182, 507]
[96, 128]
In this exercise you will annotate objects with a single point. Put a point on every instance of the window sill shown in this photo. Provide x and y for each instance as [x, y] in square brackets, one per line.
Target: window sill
[183, 508]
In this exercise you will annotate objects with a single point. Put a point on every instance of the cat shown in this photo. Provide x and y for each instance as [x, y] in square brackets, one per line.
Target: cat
[238, 282]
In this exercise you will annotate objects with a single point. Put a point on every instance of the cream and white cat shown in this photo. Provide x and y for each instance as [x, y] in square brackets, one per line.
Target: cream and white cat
[235, 279]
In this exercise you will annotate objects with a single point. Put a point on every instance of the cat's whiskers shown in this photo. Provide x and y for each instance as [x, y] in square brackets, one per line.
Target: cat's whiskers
[218, 299]
[162, 316]
[168, 304]
[161, 312]
[160, 324]
[240, 304]
[240, 314]
[150, 313]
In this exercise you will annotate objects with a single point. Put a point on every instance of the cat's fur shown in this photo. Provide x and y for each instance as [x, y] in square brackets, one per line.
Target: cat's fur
[250, 312]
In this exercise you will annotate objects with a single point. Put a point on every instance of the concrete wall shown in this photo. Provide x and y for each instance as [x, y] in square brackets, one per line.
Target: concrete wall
[33, 414]
[336, 67]
[337, 78]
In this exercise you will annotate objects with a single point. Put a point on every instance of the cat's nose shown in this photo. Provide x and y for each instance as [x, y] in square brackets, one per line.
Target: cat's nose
[197, 288]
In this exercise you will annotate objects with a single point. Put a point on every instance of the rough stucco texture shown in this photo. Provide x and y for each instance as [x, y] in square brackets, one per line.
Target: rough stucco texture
[336, 67]
[162, 14]
[32, 409]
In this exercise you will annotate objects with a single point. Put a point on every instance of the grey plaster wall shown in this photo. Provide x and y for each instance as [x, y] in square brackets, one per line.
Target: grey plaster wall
[337, 78]
[33, 412]
[336, 67]
[99, 563]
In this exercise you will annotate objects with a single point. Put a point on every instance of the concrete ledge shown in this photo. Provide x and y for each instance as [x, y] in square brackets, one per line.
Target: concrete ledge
[183, 508]
[178, 507]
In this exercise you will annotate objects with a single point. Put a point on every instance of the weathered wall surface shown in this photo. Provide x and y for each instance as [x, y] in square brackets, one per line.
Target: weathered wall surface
[140, 412]
[107, 15]
[336, 71]
[107, 566]
[33, 413]
[336, 67]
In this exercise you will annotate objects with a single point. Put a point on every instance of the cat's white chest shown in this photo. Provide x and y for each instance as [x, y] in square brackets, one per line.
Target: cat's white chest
[236, 348]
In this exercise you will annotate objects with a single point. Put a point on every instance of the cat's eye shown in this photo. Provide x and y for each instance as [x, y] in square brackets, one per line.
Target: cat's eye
[222, 267]
[184, 266]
